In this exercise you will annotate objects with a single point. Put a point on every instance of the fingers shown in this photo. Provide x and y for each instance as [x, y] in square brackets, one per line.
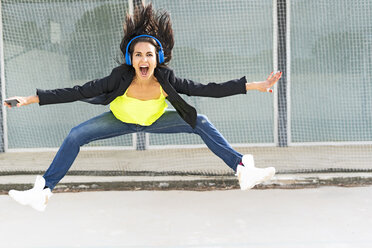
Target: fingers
[7, 105]
[22, 101]
[275, 78]
[272, 79]
[269, 77]
[14, 102]
[277, 75]
[272, 76]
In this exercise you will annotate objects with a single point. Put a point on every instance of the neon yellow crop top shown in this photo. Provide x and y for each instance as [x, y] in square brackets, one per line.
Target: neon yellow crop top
[135, 111]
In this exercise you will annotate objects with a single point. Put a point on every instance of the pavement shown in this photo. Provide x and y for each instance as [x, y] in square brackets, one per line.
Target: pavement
[198, 183]
[193, 169]
[191, 200]
[324, 217]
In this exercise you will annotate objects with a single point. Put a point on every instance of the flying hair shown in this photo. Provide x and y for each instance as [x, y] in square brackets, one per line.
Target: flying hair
[145, 20]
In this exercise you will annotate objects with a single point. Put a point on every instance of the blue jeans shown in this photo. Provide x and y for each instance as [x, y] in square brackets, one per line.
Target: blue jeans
[107, 126]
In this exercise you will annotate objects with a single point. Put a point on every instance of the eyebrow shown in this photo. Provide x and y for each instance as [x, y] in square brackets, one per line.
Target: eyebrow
[140, 52]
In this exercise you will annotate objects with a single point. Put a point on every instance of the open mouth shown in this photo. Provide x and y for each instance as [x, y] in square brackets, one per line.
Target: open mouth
[144, 70]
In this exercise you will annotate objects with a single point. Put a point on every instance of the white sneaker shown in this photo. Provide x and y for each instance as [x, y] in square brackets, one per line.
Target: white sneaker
[37, 197]
[249, 175]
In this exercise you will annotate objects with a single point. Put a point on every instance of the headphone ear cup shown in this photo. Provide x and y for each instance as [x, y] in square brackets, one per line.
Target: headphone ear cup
[161, 56]
[127, 59]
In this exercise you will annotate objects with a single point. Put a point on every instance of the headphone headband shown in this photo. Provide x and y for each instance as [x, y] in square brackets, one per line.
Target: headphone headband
[127, 54]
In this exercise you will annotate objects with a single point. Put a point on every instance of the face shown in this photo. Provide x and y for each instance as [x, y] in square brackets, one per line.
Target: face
[144, 59]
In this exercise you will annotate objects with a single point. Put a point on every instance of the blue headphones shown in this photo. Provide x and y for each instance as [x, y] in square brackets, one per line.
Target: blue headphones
[127, 54]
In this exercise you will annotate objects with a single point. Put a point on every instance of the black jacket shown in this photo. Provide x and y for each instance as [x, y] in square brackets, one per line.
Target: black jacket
[105, 90]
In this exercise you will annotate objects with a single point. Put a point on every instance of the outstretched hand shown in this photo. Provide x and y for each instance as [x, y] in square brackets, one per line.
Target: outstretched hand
[22, 101]
[265, 86]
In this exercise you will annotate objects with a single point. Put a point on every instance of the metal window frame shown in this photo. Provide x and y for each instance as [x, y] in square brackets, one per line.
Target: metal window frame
[3, 91]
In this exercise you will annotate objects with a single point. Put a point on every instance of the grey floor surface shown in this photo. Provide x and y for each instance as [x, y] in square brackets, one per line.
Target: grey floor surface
[319, 217]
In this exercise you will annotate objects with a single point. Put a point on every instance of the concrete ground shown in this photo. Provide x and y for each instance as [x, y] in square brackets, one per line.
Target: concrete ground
[311, 218]
[194, 169]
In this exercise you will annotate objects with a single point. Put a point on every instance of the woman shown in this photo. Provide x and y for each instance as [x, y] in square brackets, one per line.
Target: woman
[136, 92]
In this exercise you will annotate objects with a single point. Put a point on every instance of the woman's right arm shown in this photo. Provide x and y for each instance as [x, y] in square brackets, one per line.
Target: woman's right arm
[79, 92]
[64, 95]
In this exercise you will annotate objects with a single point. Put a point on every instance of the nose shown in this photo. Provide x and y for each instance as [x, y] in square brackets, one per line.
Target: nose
[144, 58]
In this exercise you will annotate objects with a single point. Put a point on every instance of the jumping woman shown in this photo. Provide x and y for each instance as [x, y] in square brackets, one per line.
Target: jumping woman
[136, 91]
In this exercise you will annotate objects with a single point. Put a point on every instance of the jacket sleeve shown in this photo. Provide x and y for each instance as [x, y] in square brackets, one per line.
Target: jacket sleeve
[88, 90]
[191, 88]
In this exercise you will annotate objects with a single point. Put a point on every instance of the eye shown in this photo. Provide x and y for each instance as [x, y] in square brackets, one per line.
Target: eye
[137, 55]
[150, 54]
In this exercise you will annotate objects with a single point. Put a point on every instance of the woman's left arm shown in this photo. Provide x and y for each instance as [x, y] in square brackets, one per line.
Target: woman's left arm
[229, 88]
[192, 88]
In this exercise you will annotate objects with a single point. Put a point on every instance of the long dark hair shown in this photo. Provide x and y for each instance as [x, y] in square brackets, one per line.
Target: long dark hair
[145, 20]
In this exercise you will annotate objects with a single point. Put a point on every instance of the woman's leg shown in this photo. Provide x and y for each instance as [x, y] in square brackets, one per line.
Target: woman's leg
[247, 173]
[171, 122]
[100, 127]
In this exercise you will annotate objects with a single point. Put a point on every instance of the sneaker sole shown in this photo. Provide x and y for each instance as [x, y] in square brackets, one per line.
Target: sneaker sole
[267, 178]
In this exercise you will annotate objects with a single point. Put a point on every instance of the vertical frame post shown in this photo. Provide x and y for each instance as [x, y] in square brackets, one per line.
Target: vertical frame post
[288, 70]
[275, 68]
[282, 99]
[3, 128]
